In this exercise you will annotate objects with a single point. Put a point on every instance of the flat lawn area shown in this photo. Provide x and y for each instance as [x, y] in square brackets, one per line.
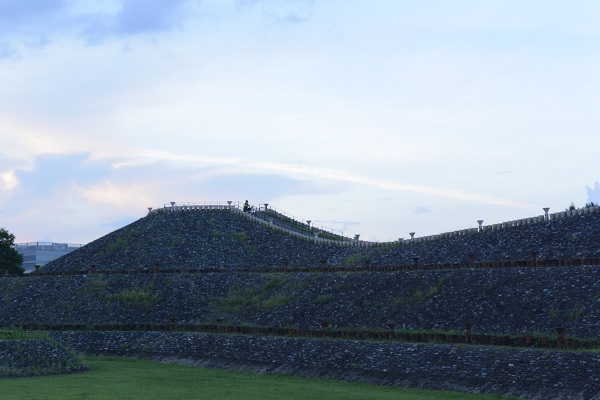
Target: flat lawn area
[125, 378]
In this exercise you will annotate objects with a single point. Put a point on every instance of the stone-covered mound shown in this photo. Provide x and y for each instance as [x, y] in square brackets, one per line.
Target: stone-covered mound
[202, 239]
[36, 357]
[527, 373]
[205, 239]
[494, 300]
[501, 301]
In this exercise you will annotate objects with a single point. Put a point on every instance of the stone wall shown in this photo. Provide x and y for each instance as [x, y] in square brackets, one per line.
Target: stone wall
[203, 239]
[533, 374]
[494, 300]
[21, 358]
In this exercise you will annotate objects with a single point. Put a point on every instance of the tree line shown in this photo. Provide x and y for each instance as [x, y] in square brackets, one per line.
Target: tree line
[10, 259]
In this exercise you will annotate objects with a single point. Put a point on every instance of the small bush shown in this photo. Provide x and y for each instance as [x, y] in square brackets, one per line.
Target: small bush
[354, 260]
[574, 315]
[324, 299]
[274, 283]
[275, 302]
[554, 313]
[138, 296]
[240, 236]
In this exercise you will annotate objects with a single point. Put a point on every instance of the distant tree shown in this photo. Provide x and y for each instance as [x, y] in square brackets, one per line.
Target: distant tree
[10, 259]
[587, 205]
[246, 206]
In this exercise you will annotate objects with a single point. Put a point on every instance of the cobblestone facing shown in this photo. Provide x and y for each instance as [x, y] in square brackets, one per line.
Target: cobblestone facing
[499, 300]
[223, 239]
[532, 374]
[495, 301]
[21, 358]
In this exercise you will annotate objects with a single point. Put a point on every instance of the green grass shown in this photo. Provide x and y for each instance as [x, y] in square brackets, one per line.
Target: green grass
[240, 236]
[275, 302]
[139, 296]
[20, 334]
[239, 298]
[421, 296]
[323, 299]
[354, 260]
[126, 378]
[574, 315]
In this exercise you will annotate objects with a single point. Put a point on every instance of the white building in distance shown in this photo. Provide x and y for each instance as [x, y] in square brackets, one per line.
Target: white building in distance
[41, 253]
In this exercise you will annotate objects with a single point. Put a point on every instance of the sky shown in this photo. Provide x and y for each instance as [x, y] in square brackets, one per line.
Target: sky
[376, 118]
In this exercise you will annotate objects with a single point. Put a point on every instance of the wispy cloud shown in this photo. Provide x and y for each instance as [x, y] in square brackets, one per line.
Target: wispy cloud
[342, 226]
[306, 171]
[36, 23]
[337, 175]
[110, 106]
[295, 12]
[127, 196]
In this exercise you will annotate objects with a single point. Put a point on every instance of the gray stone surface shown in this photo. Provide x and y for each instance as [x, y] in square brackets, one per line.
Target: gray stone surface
[495, 301]
[23, 358]
[532, 374]
[498, 300]
[205, 239]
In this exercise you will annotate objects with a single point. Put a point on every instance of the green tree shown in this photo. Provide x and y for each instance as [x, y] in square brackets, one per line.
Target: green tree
[10, 259]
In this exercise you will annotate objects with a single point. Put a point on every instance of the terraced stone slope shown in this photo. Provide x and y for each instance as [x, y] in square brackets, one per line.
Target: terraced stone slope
[499, 300]
[203, 239]
[509, 301]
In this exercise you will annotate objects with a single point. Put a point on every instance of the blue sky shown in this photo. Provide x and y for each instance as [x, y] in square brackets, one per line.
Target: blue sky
[375, 118]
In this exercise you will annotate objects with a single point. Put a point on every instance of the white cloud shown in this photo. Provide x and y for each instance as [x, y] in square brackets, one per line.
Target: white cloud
[8, 180]
[240, 166]
[421, 210]
[337, 175]
[593, 194]
[78, 8]
[206, 100]
[128, 197]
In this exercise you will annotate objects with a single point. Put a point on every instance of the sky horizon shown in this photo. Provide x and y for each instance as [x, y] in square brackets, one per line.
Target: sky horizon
[376, 119]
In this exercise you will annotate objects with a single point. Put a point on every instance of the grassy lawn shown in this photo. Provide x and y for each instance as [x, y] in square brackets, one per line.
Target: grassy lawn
[125, 378]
